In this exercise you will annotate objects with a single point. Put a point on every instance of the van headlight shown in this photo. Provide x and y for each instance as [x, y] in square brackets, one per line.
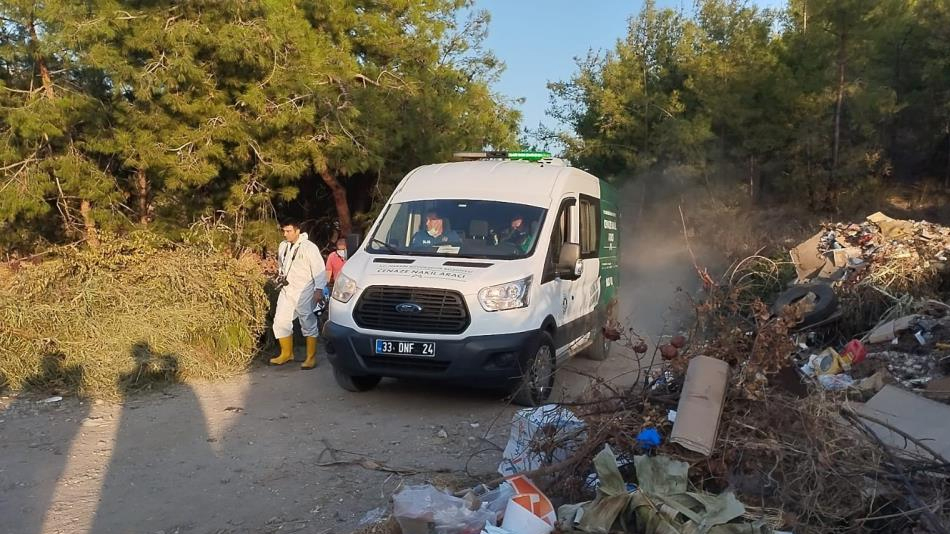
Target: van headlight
[344, 288]
[505, 296]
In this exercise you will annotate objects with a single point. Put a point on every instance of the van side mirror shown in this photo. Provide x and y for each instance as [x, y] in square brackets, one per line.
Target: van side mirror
[569, 264]
[353, 244]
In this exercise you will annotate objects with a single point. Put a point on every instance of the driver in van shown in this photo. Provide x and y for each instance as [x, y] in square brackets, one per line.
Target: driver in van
[517, 234]
[435, 233]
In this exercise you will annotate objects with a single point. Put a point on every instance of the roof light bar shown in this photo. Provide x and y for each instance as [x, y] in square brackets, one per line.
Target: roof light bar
[523, 155]
[529, 155]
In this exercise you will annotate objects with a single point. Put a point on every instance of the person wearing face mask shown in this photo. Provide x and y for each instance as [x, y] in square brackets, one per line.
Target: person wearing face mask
[435, 234]
[335, 261]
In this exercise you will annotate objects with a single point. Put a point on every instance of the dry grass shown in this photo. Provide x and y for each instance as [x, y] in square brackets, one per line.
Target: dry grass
[739, 230]
[140, 310]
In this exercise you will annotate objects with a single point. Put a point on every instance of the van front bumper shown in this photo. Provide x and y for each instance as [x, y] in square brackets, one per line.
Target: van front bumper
[493, 361]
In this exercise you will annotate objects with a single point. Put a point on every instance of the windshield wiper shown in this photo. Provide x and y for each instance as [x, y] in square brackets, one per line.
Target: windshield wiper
[387, 246]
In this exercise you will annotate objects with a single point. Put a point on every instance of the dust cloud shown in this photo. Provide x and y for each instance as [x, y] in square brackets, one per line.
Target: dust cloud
[657, 280]
[658, 276]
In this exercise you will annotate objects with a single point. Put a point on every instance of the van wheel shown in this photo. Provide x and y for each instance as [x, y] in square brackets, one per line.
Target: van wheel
[538, 380]
[599, 350]
[358, 383]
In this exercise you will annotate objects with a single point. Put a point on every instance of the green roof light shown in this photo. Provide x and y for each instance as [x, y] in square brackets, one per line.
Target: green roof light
[529, 155]
[524, 155]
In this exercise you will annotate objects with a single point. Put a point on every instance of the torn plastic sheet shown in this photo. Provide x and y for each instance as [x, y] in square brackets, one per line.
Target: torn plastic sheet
[661, 504]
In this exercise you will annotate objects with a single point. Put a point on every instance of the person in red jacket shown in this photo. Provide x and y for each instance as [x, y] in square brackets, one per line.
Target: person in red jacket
[335, 261]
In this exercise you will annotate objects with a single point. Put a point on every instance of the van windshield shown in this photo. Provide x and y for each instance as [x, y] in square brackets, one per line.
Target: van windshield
[462, 228]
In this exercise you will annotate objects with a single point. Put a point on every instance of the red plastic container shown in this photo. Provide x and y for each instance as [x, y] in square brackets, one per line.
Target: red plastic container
[854, 351]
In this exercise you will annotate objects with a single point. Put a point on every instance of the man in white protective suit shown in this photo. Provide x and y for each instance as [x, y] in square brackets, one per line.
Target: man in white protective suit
[301, 278]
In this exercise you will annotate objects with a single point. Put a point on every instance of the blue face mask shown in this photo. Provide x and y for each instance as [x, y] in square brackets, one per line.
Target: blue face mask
[341, 253]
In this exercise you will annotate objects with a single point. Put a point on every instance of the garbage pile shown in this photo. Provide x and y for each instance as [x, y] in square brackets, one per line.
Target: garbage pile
[886, 280]
[896, 255]
[825, 409]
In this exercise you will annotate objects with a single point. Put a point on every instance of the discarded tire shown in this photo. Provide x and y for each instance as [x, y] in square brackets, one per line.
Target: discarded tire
[826, 302]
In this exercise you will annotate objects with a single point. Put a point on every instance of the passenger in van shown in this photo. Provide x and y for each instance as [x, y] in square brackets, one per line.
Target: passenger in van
[517, 234]
[435, 234]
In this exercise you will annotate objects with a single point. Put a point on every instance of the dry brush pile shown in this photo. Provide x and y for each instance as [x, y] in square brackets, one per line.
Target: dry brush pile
[139, 309]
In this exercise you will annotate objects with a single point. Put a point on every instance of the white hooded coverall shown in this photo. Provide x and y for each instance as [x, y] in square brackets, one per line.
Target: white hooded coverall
[306, 274]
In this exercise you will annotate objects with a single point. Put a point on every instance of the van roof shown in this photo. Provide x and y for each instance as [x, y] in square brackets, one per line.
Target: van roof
[522, 182]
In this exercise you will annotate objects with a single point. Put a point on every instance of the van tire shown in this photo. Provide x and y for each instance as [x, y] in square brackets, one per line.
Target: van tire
[540, 365]
[599, 350]
[355, 383]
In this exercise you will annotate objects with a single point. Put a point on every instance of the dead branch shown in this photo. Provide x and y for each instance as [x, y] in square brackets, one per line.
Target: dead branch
[702, 273]
[933, 522]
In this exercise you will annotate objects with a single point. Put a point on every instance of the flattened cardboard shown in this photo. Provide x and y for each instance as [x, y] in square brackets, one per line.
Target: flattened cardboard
[878, 217]
[700, 405]
[924, 419]
[891, 329]
[807, 259]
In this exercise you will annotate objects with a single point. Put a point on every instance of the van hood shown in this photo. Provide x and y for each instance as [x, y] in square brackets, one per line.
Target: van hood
[465, 275]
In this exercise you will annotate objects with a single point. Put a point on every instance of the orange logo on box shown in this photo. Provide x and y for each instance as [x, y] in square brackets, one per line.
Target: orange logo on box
[529, 497]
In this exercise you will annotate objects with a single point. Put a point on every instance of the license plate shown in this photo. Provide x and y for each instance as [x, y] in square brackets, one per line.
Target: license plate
[405, 348]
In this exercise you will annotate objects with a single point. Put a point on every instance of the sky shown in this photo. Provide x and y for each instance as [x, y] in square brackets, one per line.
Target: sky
[539, 39]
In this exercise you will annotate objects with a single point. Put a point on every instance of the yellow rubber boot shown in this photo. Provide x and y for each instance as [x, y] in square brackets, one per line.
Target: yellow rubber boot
[311, 360]
[286, 351]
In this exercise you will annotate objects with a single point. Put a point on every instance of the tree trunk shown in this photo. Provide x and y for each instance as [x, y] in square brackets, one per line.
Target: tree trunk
[89, 225]
[40, 61]
[141, 183]
[946, 172]
[339, 200]
[839, 106]
[751, 182]
[755, 181]
[805, 16]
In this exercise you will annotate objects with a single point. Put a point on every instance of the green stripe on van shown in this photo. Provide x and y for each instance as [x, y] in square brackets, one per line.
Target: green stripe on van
[609, 245]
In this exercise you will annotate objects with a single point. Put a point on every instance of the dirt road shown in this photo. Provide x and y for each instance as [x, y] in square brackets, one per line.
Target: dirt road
[256, 453]
[240, 456]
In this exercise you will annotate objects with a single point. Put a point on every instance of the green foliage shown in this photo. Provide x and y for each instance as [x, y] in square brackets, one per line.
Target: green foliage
[818, 100]
[117, 114]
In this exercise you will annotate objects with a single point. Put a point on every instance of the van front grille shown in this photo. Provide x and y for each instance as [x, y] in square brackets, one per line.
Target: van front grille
[436, 311]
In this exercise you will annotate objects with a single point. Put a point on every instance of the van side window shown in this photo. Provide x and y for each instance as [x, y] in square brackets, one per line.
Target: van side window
[559, 235]
[589, 226]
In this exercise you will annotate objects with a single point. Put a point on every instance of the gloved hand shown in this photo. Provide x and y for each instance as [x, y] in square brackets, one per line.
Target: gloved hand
[326, 291]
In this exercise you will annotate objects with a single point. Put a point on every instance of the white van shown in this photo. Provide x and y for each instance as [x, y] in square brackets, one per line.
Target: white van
[484, 273]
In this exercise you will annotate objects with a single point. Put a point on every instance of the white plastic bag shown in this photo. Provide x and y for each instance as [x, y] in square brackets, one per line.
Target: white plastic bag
[536, 429]
[497, 499]
[425, 509]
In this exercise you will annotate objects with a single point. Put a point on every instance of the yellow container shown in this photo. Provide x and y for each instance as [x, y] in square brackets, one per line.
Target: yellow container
[829, 362]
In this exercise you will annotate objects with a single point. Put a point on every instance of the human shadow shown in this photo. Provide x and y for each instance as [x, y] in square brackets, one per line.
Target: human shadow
[34, 457]
[158, 447]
